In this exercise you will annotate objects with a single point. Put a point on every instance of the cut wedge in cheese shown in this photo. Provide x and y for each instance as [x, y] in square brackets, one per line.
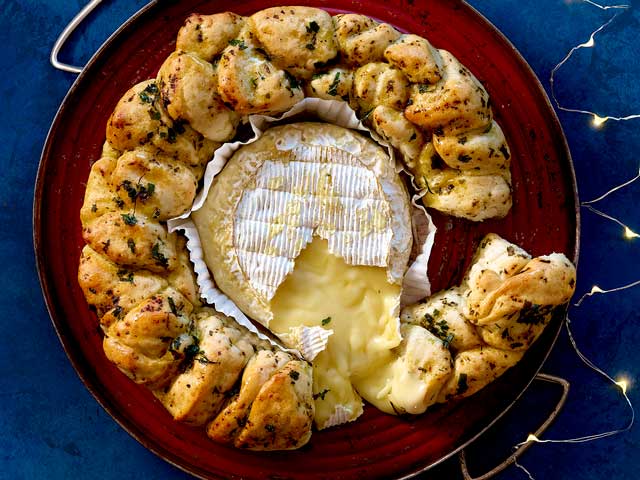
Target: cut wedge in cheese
[359, 305]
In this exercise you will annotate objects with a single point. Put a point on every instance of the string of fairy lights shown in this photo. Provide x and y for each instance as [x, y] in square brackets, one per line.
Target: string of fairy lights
[597, 120]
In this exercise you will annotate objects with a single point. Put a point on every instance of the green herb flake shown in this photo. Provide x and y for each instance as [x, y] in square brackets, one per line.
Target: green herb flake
[293, 81]
[534, 314]
[426, 184]
[192, 350]
[313, 27]
[295, 375]
[269, 428]
[172, 306]
[464, 158]
[129, 219]
[125, 276]
[158, 256]
[145, 193]
[236, 42]
[152, 89]
[154, 114]
[333, 88]
[144, 96]
[130, 189]
[447, 341]
[320, 395]
[326, 321]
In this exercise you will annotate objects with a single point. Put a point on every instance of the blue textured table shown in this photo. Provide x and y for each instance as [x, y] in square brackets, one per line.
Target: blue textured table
[51, 427]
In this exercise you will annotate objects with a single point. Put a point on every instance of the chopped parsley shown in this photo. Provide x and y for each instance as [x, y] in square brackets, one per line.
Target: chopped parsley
[145, 192]
[172, 306]
[129, 218]
[295, 375]
[447, 340]
[158, 256]
[192, 350]
[333, 88]
[144, 96]
[125, 276]
[313, 27]
[236, 42]
[426, 184]
[464, 158]
[534, 314]
[440, 328]
[149, 95]
[152, 89]
[320, 395]
[130, 189]
[293, 81]
[325, 321]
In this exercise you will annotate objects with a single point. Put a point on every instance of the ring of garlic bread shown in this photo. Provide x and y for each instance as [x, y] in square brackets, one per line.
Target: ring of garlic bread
[205, 368]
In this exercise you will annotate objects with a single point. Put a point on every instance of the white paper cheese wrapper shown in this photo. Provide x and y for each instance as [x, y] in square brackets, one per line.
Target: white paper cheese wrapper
[416, 284]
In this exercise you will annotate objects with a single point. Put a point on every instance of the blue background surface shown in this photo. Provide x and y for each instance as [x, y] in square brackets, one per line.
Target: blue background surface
[51, 427]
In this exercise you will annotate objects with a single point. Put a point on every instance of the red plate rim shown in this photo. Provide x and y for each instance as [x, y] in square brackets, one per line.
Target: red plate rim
[59, 319]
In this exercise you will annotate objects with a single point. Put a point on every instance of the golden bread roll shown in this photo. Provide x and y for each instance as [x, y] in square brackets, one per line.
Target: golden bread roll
[188, 86]
[296, 39]
[207, 35]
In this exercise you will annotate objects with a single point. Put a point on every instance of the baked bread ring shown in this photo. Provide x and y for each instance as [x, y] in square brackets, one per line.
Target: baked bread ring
[206, 369]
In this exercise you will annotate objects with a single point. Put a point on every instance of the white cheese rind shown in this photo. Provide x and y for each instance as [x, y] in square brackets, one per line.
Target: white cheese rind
[273, 197]
[332, 111]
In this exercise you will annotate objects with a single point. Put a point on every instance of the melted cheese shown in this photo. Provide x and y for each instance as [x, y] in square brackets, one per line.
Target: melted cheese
[360, 306]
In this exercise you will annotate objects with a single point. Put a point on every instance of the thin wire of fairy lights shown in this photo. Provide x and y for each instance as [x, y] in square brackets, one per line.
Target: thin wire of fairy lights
[597, 120]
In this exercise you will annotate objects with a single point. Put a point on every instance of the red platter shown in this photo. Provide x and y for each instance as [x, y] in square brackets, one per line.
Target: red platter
[544, 218]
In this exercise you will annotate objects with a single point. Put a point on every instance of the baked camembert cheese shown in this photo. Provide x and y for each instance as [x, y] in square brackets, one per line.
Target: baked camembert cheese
[310, 226]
